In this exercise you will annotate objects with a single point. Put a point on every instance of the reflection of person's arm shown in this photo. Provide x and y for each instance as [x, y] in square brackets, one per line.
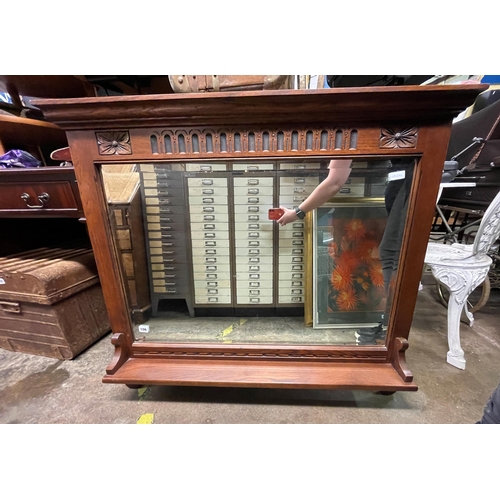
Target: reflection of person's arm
[338, 173]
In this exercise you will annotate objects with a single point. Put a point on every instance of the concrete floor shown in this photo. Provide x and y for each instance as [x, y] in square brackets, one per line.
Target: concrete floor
[38, 390]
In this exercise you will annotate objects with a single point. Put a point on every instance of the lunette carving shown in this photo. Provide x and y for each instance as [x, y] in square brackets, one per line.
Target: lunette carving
[241, 141]
[398, 137]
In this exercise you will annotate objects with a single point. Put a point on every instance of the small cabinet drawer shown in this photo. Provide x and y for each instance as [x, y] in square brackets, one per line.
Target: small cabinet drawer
[38, 196]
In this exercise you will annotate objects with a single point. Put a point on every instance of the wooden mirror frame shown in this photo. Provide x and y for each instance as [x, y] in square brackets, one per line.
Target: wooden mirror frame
[372, 122]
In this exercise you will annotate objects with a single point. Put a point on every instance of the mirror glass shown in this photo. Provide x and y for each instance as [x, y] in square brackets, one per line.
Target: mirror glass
[203, 262]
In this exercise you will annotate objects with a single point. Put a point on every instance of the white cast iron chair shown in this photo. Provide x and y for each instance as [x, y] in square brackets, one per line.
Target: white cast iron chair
[461, 268]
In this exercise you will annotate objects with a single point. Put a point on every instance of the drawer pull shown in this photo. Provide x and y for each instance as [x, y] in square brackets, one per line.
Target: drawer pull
[253, 191]
[208, 191]
[208, 200]
[299, 181]
[253, 217]
[254, 268]
[10, 307]
[253, 200]
[253, 182]
[209, 226]
[207, 182]
[43, 199]
[208, 217]
[253, 226]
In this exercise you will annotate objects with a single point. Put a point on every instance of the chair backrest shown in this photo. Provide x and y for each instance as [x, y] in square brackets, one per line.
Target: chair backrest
[489, 229]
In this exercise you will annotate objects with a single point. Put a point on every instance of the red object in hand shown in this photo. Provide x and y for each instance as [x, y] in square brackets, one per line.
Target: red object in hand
[275, 213]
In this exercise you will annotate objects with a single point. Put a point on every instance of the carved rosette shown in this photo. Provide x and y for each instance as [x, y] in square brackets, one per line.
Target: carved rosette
[114, 143]
[398, 137]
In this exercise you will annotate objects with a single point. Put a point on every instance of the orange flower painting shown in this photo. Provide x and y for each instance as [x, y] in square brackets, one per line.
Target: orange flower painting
[347, 300]
[355, 230]
[356, 279]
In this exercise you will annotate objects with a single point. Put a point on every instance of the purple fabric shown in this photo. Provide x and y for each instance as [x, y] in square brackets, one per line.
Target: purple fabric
[18, 158]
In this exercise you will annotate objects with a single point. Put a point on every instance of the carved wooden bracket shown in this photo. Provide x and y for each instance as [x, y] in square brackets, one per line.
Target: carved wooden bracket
[122, 353]
[399, 363]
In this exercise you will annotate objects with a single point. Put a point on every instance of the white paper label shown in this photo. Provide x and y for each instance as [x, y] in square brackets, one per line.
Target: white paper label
[144, 328]
[2, 281]
[394, 176]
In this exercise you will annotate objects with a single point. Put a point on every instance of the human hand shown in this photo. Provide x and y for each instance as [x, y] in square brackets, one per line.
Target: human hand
[288, 216]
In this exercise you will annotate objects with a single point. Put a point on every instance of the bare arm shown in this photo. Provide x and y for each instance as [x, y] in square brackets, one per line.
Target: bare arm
[338, 173]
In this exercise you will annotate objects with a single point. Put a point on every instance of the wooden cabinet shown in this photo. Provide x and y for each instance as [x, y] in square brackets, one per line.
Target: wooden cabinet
[270, 135]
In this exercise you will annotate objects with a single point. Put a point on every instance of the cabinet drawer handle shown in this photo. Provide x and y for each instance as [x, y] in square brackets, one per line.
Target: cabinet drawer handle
[253, 182]
[10, 307]
[253, 191]
[207, 182]
[43, 199]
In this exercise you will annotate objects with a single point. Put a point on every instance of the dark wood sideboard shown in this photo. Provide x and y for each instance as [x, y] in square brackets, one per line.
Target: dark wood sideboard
[268, 126]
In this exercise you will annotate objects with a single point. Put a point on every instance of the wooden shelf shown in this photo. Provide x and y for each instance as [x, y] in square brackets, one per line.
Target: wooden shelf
[30, 131]
[245, 373]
